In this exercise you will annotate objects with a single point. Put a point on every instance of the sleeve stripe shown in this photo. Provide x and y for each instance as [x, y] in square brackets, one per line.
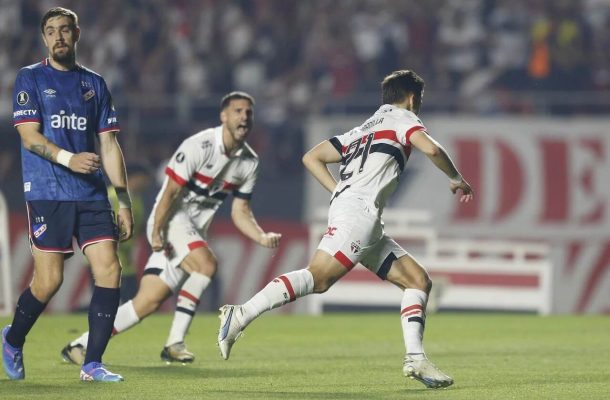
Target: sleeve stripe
[26, 121]
[175, 177]
[336, 144]
[245, 196]
[115, 128]
[203, 178]
[412, 131]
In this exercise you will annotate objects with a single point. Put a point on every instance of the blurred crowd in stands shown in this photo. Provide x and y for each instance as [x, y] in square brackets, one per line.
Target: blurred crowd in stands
[168, 62]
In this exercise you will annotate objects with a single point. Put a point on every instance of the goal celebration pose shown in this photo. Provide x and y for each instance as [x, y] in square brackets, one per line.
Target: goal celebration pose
[372, 157]
[205, 169]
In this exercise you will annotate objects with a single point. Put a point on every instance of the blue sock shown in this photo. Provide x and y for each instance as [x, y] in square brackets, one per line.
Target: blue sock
[27, 312]
[102, 311]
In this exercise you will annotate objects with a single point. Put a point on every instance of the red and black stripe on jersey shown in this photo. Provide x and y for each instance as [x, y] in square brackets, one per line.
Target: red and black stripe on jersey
[204, 191]
[399, 154]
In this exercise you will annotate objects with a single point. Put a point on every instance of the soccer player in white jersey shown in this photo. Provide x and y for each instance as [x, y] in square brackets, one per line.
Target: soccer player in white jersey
[372, 156]
[203, 171]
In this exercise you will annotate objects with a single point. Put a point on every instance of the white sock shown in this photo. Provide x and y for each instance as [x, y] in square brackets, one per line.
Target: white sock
[126, 317]
[188, 299]
[413, 320]
[283, 289]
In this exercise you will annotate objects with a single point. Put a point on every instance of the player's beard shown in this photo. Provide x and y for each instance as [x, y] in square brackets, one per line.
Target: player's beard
[66, 57]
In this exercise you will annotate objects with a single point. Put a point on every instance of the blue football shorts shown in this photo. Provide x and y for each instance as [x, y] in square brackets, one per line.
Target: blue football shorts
[53, 224]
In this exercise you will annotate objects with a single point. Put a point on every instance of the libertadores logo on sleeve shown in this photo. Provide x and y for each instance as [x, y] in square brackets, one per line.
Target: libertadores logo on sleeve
[22, 98]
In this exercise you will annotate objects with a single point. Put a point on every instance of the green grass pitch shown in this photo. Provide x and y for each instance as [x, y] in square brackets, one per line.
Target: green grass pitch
[337, 356]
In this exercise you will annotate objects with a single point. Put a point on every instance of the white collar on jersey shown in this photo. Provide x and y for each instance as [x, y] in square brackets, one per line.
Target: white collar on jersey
[391, 108]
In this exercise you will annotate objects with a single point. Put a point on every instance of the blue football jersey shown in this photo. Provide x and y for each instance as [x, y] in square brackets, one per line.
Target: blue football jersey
[72, 108]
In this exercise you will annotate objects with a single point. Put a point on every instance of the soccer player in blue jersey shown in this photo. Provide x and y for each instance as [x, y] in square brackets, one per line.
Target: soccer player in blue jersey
[61, 109]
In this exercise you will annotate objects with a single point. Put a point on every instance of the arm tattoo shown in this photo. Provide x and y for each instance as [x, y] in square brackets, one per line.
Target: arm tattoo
[42, 150]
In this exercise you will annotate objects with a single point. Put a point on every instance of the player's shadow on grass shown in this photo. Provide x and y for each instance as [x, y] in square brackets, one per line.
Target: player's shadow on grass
[181, 371]
[398, 394]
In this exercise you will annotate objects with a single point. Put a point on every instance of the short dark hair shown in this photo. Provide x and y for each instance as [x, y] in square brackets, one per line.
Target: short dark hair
[224, 103]
[59, 12]
[396, 86]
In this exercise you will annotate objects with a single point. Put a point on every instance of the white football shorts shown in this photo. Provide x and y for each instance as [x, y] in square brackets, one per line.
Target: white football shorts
[355, 234]
[183, 237]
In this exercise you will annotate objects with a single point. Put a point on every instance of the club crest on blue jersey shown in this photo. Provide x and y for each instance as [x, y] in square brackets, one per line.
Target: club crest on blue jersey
[39, 230]
[71, 107]
[89, 95]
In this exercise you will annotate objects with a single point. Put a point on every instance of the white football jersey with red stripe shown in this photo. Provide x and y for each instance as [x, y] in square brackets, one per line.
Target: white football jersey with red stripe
[374, 154]
[209, 175]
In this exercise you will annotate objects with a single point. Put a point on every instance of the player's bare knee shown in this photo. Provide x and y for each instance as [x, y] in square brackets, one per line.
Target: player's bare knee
[321, 283]
[109, 275]
[202, 261]
[113, 269]
[207, 268]
[151, 294]
[145, 304]
[418, 281]
[424, 284]
[44, 290]
[421, 282]
[46, 283]
[414, 279]
[151, 306]
[324, 273]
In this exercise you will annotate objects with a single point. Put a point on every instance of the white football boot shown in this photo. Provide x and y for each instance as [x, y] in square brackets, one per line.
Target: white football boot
[177, 352]
[230, 329]
[74, 354]
[427, 373]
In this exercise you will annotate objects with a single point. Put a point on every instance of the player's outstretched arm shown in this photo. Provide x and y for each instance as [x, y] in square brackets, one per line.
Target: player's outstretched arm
[244, 220]
[437, 154]
[316, 160]
[114, 165]
[36, 142]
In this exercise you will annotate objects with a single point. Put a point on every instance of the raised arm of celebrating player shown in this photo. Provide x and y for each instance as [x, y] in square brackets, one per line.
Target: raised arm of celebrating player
[36, 142]
[316, 160]
[439, 157]
[244, 220]
[114, 165]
